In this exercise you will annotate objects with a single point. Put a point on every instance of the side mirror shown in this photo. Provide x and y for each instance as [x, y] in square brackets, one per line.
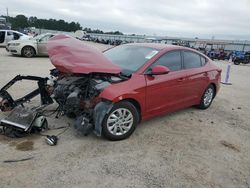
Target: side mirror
[159, 70]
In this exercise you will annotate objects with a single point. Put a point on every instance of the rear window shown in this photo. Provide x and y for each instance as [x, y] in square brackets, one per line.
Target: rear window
[16, 35]
[191, 60]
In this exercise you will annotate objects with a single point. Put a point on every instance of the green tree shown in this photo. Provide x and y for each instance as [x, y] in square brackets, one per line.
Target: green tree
[20, 21]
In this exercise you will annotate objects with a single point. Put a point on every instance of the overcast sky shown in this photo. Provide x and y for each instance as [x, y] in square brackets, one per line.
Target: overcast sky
[187, 18]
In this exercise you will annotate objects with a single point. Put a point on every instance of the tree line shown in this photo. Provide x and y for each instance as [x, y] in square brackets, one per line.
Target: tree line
[89, 30]
[21, 21]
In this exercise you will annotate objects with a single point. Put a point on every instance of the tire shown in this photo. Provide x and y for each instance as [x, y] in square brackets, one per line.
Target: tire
[236, 62]
[113, 125]
[28, 51]
[207, 97]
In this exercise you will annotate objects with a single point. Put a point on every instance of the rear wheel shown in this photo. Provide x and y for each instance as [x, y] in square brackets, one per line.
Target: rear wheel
[207, 97]
[28, 51]
[121, 121]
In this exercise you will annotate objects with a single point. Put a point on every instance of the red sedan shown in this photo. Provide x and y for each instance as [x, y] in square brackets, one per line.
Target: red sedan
[111, 92]
[156, 79]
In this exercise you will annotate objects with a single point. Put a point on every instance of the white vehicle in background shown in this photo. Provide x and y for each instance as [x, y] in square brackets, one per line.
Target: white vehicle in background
[36, 46]
[9, 35]
[80, 34]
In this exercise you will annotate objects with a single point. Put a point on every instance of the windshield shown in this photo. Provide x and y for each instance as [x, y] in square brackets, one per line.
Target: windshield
[39, 36]
[130, 58]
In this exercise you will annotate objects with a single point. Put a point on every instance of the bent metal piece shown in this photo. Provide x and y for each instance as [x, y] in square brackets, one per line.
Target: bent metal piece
[8, 103]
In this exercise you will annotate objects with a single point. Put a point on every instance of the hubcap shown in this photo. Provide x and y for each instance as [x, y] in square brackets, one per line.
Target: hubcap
[120, 121]
[208, 97]
[28, 52]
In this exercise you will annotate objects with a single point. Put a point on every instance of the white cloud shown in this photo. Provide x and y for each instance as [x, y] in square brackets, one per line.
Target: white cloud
[203, 18]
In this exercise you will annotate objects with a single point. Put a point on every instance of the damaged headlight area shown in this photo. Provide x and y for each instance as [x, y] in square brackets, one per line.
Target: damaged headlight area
[76, 95]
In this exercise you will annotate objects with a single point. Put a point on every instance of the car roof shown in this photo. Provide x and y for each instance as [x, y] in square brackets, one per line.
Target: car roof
[158, 46]
[12, 31]
[9, 30]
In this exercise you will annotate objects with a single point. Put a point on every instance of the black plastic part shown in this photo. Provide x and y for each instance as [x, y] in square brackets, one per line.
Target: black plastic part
[100, 110]
[13, 133]
[45, 97]
[83, 124]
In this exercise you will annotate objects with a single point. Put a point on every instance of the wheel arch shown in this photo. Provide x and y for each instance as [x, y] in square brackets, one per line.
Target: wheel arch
[136, 105]
[29, 46]
[103, 108]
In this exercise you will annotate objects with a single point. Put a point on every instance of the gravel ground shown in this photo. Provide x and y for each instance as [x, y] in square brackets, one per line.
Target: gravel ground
[188, 148]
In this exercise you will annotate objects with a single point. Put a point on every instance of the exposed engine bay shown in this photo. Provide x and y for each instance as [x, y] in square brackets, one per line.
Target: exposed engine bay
[75, 94]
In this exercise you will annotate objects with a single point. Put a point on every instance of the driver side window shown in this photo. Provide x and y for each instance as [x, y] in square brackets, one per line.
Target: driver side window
[172, 60]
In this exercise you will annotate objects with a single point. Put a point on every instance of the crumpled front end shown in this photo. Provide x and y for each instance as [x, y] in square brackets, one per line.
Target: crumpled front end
[78, 97]
[70, 55]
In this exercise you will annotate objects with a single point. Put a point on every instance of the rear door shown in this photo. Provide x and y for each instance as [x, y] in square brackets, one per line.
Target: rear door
[166, 92]
[196, 75]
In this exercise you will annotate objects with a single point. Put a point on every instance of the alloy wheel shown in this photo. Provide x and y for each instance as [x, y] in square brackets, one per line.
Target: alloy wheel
[28, 52]
[120, 121]
[208, 96]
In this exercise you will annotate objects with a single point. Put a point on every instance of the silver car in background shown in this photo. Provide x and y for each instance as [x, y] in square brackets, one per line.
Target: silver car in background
[36, 46]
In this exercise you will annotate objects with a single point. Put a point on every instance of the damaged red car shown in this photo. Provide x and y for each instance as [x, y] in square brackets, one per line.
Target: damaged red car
[111, 92]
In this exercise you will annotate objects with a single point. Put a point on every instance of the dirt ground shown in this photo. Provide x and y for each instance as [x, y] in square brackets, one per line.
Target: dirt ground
[188, 148]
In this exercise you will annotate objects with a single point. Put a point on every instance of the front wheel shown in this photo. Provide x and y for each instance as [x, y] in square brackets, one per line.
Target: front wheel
[121, 121]
[207, 97]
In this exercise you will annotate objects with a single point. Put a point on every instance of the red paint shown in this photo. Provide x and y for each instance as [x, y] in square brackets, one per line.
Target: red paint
[70, 55]
[160, 94]
[155, 94]
[159, 70]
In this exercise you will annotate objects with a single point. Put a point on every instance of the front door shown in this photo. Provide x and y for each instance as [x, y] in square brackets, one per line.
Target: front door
[167, 92]
[42, 45]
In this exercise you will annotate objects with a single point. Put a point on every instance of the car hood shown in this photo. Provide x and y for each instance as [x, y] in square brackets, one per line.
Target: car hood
[70, 55]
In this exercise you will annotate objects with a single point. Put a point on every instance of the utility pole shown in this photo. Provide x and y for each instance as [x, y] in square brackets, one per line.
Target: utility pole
[7, 10]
